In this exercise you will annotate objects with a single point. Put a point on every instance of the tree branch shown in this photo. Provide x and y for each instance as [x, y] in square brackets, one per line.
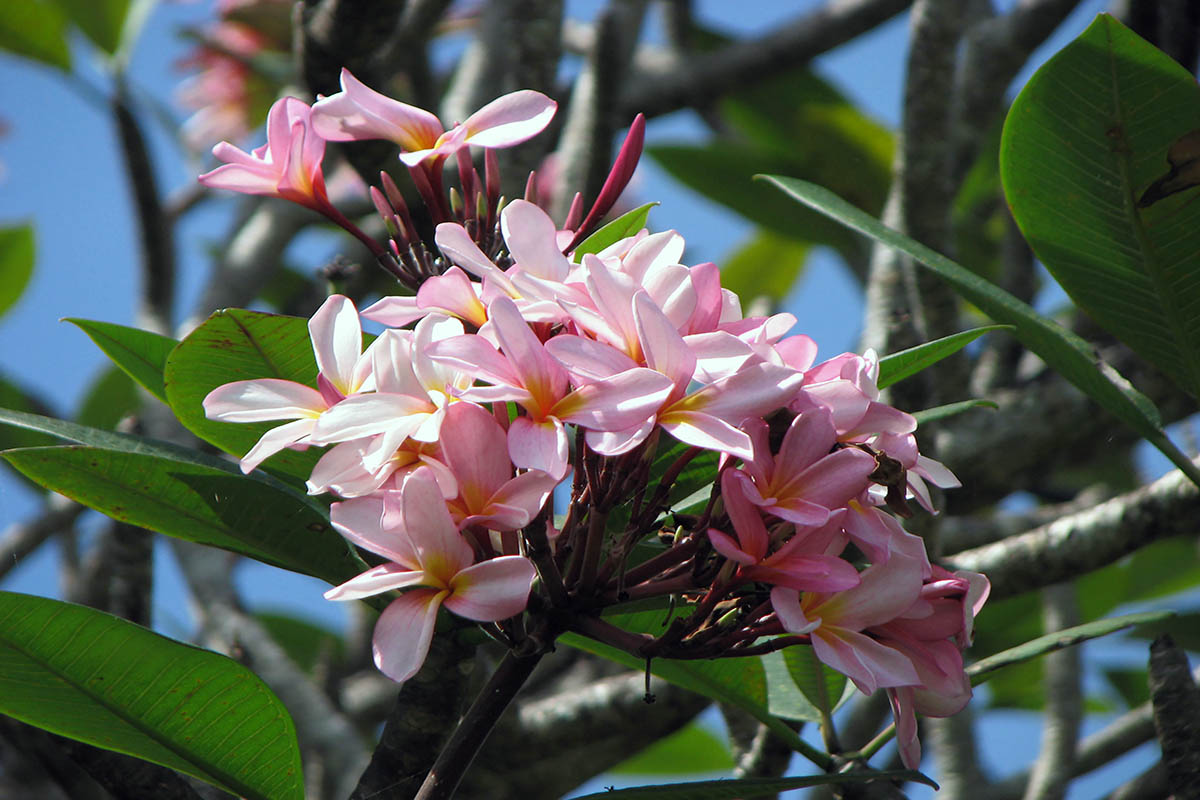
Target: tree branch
[1064, 700]
[698, 80]
[22, 538]
[1087, 540]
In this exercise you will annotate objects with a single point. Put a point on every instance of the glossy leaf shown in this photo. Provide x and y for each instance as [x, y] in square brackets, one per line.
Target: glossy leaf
[627, 224]
[1086, 136]
[690, 750]
[1060, 639]
[16, 264]
[109, 399]
[93, 677]
[16, 398]
[186, 494]
[102, 21]
[751, 787]
[235, 345]
[142, 355]
[1063, 350]
[822, 686]
[768, 265]
[906, 363]
[951, 410]
[35, 29]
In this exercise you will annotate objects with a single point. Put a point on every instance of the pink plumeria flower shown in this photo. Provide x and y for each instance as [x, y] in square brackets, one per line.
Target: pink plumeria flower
[488, 493]
[932, 633]
[431, 559]
[846, 385]
[343, 468]
[359, 112]
[836, 622]
[801, 568]
[412, 393]
[452, 293]
[804, 482]
[918, 468]
[707, 418]
[525, 373]
[343, 371]
[287, 166]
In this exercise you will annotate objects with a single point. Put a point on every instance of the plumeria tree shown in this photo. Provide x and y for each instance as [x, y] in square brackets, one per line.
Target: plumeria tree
[579, 486]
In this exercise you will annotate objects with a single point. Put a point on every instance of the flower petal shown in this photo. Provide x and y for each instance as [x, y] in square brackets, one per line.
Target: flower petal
[404, 631]
[492, 590]
[510, 120]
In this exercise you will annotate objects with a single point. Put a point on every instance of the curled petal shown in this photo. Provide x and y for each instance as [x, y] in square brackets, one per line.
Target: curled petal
[510, 120]
[359, 112]
[263, 400]
[275, 440]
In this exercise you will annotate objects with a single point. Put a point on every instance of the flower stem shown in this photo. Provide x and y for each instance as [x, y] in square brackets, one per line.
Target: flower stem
[456, 757]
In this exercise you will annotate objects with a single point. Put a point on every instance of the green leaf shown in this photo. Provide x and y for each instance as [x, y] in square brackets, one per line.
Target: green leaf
[824, 687]
[690, 750]
[16, 398]
[898, 366]
[768, 265]
[750, 787]
[93, 677]
[1064, 351]
[102, 21]
[186, 494]
[627, 224]
[142, 355]
[16, 264]
[235, 345]
[1058, 640]
[35, 29]
[109, 399]
[1086, 136]
[950, 409]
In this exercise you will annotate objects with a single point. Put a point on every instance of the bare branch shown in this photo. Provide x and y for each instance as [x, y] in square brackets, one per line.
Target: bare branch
[585, 148]
[697, 81]
[953, 741]
[1176, 703]
[1079, 543]
[572, 735]
[1064, 700]
[22, 538]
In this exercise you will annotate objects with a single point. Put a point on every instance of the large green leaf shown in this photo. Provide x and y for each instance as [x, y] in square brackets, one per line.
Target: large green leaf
[1063, 350]
[185, 494]
[142, 355]
[102, 21]
[1086, 136]
[17, 398]
[690, 750]
[898, 366]
[1060, 639]
[625, 225]
[235, 345]
[16, 264]
[35, 29]
[751, 787]
[93, 677]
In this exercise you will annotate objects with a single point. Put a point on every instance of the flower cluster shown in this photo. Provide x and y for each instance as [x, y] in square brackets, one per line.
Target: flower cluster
[531, 356]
